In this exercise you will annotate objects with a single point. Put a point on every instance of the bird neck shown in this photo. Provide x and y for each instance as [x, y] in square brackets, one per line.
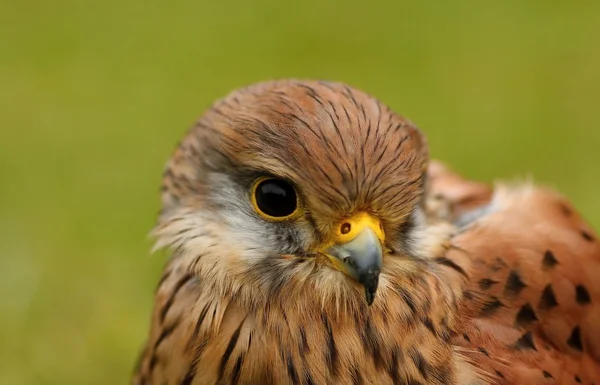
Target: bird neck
[293, 335]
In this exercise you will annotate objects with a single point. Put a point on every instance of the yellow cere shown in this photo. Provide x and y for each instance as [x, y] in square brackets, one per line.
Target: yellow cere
[351, 227]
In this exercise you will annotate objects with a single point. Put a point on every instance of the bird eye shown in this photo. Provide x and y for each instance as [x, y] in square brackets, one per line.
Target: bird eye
[274, 199]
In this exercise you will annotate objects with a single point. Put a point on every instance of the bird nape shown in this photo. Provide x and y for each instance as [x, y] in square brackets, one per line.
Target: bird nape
[313, 242]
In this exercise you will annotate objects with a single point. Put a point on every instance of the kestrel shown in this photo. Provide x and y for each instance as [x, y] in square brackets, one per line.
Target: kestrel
[313, 242]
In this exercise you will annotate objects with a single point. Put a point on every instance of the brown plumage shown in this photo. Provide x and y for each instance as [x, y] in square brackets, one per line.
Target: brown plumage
[533, 306]
[473, 285]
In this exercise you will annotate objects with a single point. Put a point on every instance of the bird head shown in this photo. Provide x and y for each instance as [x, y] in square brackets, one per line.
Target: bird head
[313, 185]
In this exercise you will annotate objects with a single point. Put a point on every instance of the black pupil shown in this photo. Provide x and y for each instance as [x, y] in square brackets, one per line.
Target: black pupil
[276, 198]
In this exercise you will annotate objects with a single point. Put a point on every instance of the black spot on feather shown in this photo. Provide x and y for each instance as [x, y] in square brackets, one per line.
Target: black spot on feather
[574, 340]
[582, 295]
[548, 298]
[525, 316]
[587, 236]
[525, 342]
[514, 284]
[549, 260]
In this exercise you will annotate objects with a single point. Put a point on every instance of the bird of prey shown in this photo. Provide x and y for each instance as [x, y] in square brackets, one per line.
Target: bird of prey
[314, 242]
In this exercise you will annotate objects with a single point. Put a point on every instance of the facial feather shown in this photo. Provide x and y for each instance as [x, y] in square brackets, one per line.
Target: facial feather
[343, 154]
[244, 299]
[343, 150]
[261, 284]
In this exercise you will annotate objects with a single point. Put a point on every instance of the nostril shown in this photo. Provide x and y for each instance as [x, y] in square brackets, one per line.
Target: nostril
[346, 227]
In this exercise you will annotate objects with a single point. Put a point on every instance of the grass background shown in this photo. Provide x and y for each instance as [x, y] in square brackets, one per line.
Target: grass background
[94, 96]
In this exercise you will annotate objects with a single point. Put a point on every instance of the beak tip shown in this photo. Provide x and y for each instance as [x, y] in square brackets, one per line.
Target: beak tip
[370, 281]
[370, 297]
[361, 258]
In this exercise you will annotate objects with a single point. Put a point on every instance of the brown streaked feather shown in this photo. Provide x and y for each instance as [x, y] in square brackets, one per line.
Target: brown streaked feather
[296, 339]
[285, 320]
[480, 291]
[356, 152]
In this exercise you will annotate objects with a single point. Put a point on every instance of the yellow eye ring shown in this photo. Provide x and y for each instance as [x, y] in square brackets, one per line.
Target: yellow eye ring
[274, 199]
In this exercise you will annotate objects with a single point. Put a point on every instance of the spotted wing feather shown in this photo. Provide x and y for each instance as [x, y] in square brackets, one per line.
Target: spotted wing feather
[533, 305]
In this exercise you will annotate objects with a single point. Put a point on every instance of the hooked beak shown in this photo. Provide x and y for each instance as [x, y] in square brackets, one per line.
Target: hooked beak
[358, 252]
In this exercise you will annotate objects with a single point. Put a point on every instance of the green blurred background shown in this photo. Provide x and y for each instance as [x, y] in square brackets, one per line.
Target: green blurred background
[94, 96]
